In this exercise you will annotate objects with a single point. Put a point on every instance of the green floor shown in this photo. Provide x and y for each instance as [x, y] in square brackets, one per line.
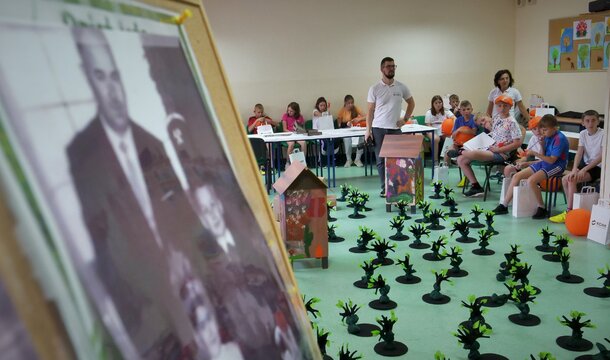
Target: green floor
[427, 328]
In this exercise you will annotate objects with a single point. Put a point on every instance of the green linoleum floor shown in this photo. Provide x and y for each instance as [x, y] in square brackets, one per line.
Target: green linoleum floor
[427, 328]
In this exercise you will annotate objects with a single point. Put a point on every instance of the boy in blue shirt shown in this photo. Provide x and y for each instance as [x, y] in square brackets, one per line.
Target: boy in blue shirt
[552, 163]
[465, 119]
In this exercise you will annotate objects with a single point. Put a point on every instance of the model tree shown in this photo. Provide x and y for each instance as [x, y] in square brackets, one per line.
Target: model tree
[484, 237]
[383, 289]
[424, 206]
[475, 307]
[546, 238]
[358, 204]
[604, 353]
[366, 198]
[345, 354]
[476, 212]
[435, 216]
[520, 272]
[362, 242]
[468, 336]
[309, 303]
[575, 342]
[438, 355]
[381, 248]
[330, 207]
[398, 224]
[388, 345]
[522, 296]
[369, 270]
[402, 206]
[435, 296]
[438, 188]
[418, 231]
[512, 257]
[543, 355]
[565, 275]
[353, 194]
[345, 189]
[489, 220]
[435, 250]
[604, 291]
[453, 208]
[447, 193]
[497, 300]
[332, 235]
[561, 242]
[455, 260]
[348, 315]
[462, 226]
[322, 336]
[407, 267]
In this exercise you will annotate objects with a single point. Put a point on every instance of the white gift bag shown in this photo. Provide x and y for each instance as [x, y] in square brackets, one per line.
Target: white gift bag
[600, 221]
[297, 155]
[524, 201]
[505, 186]
[441, 173]
[586, 198]
[446, 146]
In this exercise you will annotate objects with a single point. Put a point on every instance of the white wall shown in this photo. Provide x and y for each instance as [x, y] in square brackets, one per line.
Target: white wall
[277, 51]
[567, 91]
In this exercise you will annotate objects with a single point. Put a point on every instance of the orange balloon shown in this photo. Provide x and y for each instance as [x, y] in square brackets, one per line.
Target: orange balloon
[461, 138]
[544, 185]
[532, 112]
[577, 222]
[447, 126]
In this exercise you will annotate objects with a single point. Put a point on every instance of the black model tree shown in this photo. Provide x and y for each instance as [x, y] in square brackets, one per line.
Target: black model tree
[332, 234]
[561, 242]
[566, 276]
[354, 193]
[453, 213]
[604, 353]
[435, 250]
[497, 300]
[349, 317]
[357, 203]
[408, 278]
[522, 296]
[418, 231]
[383, 289]
[388, 345]
[476, 311]
[438, 355]
[309, 303]
[476, 212]
[489, 221]
[447, 191]
[435, 216]
[424, 206]
[402, 206]
[366, 198]
[322, 336]
[438, 188]
[520, 272]
[397, 223]
[484, 237]
[575, 342]
[455, 260]
[543, 356]
[381, 248]
[546, 238]
[435, 297]
[604, 291]
[362, 242]
[468, 336]
[462, 226]
[330, 207]
[345, 354]
[345, 189]
[512, 257]
[369, 270]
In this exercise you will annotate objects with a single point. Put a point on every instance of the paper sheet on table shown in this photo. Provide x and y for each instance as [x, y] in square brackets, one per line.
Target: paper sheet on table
[479, 142]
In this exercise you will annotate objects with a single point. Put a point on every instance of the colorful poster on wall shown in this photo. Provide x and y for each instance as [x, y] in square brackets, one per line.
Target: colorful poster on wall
[597, 35]
[567, 44]
[115, 130]
[582, 29]
[554, 58]
[606, 54]
[584, 57]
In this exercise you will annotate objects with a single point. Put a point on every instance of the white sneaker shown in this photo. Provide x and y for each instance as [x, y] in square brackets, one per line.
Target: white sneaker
[358, 163]
[348, 163]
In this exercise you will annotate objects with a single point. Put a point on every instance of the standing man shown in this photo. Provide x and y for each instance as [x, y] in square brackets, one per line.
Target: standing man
[383, 116]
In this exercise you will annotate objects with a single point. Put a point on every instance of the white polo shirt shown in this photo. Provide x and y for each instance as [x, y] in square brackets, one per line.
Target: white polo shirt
[388, 103]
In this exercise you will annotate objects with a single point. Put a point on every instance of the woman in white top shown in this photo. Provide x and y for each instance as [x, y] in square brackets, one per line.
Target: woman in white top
[435, 117]
[503, 80]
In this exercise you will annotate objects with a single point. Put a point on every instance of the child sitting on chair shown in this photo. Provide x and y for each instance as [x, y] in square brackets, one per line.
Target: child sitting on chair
[506, 134]
[587, 162]
[292, 120]
[259, 119]
[351, 116]
[552, 163]
[536, 143]
[464, 124]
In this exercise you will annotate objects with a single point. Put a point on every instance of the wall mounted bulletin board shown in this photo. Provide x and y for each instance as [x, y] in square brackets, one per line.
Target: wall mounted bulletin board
[579, 43]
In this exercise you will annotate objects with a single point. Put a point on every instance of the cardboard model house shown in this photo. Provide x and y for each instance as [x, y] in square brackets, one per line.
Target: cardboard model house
[302, 213]
[404, 168]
